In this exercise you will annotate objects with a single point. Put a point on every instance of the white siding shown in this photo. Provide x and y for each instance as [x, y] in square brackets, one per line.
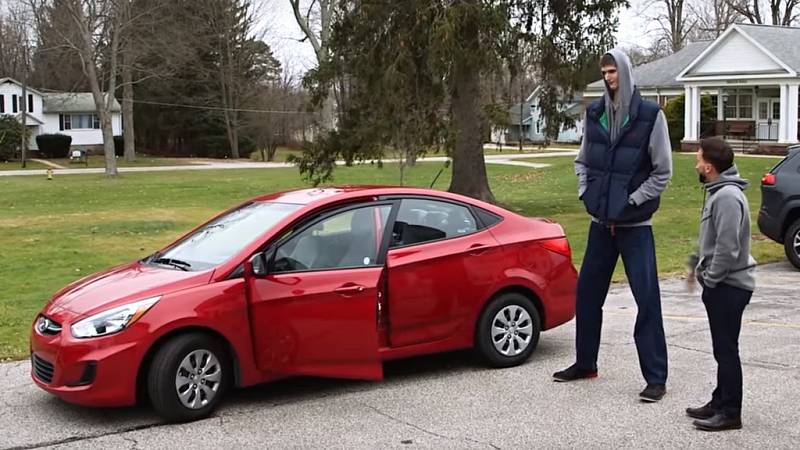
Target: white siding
[736, 54]
[82, 137]
[10, 89]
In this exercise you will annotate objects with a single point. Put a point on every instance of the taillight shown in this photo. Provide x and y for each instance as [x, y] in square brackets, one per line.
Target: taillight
[768, 179]
[559, 245]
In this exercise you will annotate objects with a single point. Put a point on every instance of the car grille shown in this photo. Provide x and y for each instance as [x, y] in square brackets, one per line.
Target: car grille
[42, 369]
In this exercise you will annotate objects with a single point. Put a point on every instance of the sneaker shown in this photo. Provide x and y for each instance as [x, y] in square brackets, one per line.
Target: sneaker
[703, 412]
[573, 373]
[653, 393]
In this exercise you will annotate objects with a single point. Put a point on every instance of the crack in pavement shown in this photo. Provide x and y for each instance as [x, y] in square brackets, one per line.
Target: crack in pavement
[432, 433]
[88, 437]
[751, 362]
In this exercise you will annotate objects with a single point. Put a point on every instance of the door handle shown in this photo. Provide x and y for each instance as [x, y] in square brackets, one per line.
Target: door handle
[478, 249]
[350, 289]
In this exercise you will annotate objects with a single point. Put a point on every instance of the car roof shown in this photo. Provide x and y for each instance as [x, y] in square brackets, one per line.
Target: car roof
[342, 193]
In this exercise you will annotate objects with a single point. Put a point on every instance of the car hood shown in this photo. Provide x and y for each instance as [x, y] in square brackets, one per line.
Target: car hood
[121, 285]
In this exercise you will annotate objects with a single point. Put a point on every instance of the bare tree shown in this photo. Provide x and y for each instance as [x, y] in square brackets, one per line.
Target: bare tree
[675, 22]
[714, 17]
[779, 12]
[314, 19]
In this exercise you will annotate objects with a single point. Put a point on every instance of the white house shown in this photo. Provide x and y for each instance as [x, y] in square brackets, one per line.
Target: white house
[70, 113]
[753, 70]
[751, 75]
[526, 121]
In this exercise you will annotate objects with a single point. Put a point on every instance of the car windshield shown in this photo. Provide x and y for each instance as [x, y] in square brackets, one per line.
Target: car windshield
[222, 238]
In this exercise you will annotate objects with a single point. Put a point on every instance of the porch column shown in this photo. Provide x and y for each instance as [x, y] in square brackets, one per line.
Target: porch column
[791, 113]
[687, 113]
[783, 120]
[696, 114]
[720, 104]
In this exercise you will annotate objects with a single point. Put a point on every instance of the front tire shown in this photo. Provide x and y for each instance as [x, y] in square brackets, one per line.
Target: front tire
[188, 377]
[791, 243]
[508, 331]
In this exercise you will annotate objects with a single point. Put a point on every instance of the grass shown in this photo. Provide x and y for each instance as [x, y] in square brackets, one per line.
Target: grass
[54, 232]
[16, 165]
[141, 161]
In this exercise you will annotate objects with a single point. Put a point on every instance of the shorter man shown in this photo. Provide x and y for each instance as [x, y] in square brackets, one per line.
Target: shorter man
[725, 271]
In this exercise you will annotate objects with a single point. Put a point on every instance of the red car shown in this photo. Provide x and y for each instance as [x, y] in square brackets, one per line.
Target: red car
[322, 282]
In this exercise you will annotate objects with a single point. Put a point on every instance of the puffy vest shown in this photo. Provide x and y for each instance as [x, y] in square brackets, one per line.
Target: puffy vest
[616, 169]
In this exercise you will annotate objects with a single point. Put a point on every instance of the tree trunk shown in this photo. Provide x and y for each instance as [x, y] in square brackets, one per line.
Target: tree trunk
[469, 167]
[108, 143]
[127, 113]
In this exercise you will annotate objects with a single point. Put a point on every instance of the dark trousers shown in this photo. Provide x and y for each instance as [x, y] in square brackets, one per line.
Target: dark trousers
[637, 247]
[725, 305]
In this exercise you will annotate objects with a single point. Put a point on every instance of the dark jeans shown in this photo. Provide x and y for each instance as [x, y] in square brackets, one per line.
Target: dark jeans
[637, 248]
[725, 305]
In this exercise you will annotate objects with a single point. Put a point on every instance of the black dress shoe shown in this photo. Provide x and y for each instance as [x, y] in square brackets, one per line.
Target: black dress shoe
[653, 393]
[719, 422]
[703, 412]
[573, 373]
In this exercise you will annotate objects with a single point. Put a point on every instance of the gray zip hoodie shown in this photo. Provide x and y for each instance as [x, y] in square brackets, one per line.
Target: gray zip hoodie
[725, 235]
[660, 149]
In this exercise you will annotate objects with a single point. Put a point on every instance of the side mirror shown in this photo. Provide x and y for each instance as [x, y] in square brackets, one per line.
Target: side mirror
[256, 265]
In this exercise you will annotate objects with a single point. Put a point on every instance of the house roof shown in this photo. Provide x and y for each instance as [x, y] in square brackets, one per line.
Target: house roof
[62, 102]
[780, 41]
[514, 115]
[11, 80]
[662, 72]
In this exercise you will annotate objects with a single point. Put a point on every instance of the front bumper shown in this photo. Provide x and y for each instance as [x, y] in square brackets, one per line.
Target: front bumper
[92, 372]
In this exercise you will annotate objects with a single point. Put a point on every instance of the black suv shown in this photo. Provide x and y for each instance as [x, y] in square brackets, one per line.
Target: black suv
[779, 217]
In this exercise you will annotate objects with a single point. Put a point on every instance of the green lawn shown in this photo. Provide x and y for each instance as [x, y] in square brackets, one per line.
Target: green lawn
[16, 165]
[141, 161]
[54, 232]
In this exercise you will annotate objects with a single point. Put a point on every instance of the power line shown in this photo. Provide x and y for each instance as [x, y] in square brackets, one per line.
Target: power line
[218, 108]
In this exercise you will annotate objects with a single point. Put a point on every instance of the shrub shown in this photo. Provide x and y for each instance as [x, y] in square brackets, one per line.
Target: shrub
[54, 145]
[10, 137]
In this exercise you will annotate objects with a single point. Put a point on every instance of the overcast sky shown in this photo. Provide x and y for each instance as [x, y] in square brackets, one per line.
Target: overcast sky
[284, 35]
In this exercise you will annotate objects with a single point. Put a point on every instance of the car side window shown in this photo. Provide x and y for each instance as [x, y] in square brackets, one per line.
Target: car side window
[346, 240]
[422, 220]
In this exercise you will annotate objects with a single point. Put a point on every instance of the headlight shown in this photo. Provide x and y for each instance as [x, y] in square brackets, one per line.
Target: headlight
[113, 320]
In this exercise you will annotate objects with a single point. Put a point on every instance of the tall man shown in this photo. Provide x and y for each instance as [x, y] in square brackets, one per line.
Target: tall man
[725, 270]
[623, 166]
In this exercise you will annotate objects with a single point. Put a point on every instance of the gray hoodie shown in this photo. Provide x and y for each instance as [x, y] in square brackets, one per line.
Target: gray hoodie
[725, 234]
[660, 149]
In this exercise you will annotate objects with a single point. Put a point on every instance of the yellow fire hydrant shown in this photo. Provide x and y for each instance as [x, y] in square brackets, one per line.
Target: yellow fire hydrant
[49, 174]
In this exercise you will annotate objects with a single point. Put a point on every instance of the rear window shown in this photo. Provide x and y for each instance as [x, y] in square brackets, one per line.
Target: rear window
[794, 151]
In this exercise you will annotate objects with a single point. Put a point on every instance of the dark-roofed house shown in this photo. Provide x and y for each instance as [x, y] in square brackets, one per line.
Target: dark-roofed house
[753, 70]
[70, 113]
[751, 74]
[526, 120]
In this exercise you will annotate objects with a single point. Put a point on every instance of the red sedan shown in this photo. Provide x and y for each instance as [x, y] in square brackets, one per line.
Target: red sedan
[323, 282]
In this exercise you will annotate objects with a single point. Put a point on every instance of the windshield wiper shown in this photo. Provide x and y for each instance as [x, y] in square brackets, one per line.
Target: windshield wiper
[177, 263]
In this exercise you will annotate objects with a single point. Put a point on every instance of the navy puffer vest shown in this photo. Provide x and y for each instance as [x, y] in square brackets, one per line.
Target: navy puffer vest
[616, 169]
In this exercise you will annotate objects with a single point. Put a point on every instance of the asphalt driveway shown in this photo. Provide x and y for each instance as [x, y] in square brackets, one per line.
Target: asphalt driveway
[449, 401]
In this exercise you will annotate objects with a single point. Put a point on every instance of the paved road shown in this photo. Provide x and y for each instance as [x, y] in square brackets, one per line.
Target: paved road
[507, 159]
[451, 402]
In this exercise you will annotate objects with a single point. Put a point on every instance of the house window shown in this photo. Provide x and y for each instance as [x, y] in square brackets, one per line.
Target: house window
[2, 103]
[738, 104]
[14, 103]
[81, 122]
[30, 103]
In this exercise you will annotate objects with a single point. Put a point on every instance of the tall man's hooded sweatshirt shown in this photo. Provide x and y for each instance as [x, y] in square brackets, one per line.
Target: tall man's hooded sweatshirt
[613, 113]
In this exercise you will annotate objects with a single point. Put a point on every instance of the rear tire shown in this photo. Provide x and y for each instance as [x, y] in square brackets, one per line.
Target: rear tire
[188, 377]
[508, 331]
[791, 243]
